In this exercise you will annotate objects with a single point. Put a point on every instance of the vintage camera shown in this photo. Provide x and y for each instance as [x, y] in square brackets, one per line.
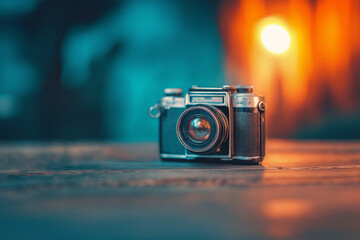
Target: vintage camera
[226, 123]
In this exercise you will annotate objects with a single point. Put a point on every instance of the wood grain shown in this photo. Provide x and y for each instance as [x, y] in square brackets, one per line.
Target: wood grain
[303, 190]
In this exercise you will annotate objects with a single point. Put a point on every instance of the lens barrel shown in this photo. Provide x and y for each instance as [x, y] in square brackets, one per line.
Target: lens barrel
[202, 128]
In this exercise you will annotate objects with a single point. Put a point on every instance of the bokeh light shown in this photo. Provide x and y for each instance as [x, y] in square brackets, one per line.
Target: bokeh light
[275, 38]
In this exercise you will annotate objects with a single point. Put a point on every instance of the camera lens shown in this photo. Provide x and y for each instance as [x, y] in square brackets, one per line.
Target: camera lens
[199, 129]
[202, 128]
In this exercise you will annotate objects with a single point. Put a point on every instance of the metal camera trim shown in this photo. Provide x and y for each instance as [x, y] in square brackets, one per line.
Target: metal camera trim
[205, 108]
[202, 94]
[152, 108]
[247, 100]
[166, 103]
[174, 102]
[200, 91]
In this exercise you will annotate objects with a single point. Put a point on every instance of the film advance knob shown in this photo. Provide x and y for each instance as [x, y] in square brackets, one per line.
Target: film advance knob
[174, 92]
[244, 88]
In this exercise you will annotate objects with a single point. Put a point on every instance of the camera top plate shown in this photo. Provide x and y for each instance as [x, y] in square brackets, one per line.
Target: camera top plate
[225, 88]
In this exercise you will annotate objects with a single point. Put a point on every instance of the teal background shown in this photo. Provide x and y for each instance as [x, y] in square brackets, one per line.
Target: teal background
[91, 69]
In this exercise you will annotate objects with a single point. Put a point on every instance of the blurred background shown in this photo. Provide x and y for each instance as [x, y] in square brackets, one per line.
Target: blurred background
[89, 69]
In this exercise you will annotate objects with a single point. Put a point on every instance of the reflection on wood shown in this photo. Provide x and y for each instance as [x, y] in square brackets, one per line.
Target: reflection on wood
[87, 190]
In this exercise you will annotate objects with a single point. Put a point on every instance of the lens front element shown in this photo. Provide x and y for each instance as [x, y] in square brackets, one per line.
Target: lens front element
[199, 129]
[202, 129]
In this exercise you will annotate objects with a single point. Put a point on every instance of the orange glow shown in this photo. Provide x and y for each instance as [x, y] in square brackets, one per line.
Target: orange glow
[286, 209]
[283, 213]
[315, 71]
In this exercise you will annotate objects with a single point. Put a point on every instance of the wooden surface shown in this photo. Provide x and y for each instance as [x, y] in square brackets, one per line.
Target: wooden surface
[303, 190]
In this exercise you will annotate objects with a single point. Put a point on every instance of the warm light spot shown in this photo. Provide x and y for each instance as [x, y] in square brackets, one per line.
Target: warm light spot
[287, 209]
[319, 66]
[275, 38]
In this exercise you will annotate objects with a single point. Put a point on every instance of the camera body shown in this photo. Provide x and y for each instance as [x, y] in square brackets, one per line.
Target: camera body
[225, 124]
